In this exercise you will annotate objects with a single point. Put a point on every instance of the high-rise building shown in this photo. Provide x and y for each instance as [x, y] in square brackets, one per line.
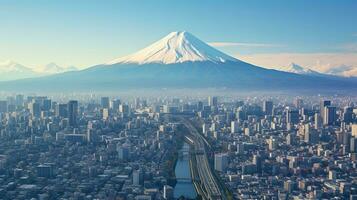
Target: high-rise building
[124, 109]
[61, 110]
[123, 152]
[234, 127]
[138, 177]
[323, 104]
[19, 100]
[3, 106]
[200, 106]
[298, 103]
[311, 135]
[272, 144]
[354, 130]
[212, 101]
[104, 102]
[317, 121]
[105, 113]
[257, 160]
[115, 104]
[347, 114]
[46, 104]
[353, 144]
[268, 107]
[220, 162]
[35, 109]
[72, 113]
[329, 115]
[292, 116]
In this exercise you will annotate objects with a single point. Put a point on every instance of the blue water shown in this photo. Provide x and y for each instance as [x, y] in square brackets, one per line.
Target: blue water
[182, 170]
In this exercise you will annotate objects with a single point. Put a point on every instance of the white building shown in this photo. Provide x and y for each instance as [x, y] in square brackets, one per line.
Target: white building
[221, 162]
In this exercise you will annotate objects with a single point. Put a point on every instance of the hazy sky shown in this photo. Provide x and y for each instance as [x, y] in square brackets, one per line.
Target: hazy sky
[85, 33]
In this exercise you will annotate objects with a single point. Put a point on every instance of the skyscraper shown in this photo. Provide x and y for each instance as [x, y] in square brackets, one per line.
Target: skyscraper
[220, 162]
[268, 107]
[317, 121]
[292, 116]
[61, 110]
[47, 103]
[104, 102]
[234, 127]
[354, 130]
[299, 103]
[138, 177]
[212, 101]
[35, 109]
[72, 113]
[329, 115]
[3, 106]
[323, 104]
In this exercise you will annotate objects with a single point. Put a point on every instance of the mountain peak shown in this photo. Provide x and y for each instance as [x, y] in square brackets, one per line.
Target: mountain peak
[176, 47]
[298, 69]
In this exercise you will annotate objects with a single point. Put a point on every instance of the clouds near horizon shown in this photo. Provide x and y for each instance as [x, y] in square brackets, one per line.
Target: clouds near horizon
[344, 64]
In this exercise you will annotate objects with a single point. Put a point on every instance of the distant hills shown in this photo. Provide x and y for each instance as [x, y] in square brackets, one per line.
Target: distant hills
[181, 60]
[11, 70]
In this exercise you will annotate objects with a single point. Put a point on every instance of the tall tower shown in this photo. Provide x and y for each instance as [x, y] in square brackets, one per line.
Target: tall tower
[323, 104]
[72, 113]
[329, 115]
[212, 101]
[104, 102]
[268, 107]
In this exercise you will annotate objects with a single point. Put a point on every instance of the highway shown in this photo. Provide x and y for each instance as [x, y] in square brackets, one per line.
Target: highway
[207, 186]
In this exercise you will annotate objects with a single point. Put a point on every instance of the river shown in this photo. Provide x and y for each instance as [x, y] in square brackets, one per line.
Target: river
[184, 186]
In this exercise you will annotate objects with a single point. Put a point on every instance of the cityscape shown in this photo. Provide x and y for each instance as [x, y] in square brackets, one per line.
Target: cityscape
[178, 100]
[254, 147]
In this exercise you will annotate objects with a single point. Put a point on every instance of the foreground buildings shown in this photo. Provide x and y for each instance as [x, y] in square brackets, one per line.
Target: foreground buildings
[110, 148]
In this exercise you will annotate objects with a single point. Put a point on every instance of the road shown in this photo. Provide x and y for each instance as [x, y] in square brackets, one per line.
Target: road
[208, 184]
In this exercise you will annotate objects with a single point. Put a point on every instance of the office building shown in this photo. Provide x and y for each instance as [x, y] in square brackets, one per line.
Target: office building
[292, 116]
[104, 102]
[329, 115]
[72, 113]
[268, 107]
[220, 162]
[35, 109]
[354, 130]
[212, 101]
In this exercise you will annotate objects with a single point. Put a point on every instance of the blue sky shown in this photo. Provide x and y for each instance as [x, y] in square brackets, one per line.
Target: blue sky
[85, 33]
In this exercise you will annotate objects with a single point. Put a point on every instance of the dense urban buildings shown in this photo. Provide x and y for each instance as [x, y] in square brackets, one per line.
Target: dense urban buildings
[244, 147]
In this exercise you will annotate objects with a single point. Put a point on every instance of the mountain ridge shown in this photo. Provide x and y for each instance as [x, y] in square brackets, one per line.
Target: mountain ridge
[202, 67]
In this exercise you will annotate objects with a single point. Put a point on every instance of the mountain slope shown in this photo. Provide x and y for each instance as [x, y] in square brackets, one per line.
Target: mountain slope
[297, 69]
[11, 70]
[53, 68]
[176, 47]
[180, 60]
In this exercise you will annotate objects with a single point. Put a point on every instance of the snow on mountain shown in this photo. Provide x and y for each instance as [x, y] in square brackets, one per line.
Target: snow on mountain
[297, 69]
[176, 47]
[53, 68]
[11, 66]
[11, 70]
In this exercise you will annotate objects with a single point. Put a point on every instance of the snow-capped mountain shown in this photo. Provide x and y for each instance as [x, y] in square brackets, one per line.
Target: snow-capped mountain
[176, 47]
[180, 60]
[11, 66]
[53, 68]
[10, 70]
[297, 69]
